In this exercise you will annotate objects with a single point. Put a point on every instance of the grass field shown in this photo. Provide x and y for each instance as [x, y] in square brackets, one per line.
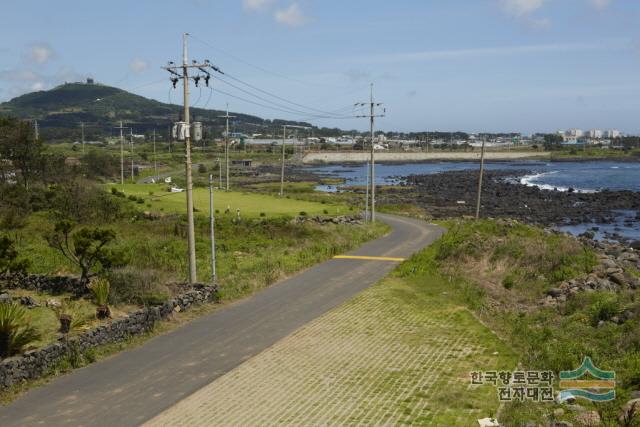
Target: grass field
[156, 198]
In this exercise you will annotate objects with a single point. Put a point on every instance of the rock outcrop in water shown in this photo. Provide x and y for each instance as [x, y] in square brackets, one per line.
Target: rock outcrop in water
[453, 194]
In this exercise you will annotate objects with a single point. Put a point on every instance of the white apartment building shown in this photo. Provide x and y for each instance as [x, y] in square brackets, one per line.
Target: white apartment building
[612, 133]
[595, 134]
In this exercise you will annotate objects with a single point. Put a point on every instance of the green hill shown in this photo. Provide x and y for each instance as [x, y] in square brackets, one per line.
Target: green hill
[60, 111]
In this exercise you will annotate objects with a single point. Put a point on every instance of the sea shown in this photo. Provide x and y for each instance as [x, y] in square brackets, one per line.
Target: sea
[584, 176]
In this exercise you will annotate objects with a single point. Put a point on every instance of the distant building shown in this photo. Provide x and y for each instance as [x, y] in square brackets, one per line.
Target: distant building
[612, 134]
[595, 134]
[574, 133]
[245, 163]
[90, 81]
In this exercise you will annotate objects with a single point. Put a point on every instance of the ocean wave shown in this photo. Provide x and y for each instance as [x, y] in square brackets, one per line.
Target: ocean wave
[530, 181]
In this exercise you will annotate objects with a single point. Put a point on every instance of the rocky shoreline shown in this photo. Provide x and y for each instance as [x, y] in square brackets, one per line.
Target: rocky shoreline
[453, 194]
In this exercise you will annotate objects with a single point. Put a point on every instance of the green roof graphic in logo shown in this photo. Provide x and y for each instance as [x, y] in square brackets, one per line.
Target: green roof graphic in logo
[599, 389]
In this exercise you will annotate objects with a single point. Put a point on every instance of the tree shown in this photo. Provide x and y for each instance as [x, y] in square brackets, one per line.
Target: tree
[19, 146]
[9, 261]
[85, 248]
[552, 141]
[99, 164]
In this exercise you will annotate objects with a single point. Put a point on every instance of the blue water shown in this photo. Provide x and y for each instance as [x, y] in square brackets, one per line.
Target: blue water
[581, 176]
[560, 176]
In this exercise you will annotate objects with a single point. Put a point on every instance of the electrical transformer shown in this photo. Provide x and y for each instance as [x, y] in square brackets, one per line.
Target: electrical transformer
[196, 131]
[181, 132]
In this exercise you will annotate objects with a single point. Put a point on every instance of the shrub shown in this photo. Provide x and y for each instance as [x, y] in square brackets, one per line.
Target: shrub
[9, 261]
[132, 198]
[134, 286]
[303, 213]
[100, 290]
[603, 308]
[326, 212]
[15, 331]
[508, 282]
[262, 214]
[86, 247]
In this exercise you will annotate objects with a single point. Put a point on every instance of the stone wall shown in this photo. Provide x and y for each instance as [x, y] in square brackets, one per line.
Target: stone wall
[50, 284]
[353, 219]
[35, 363]
[389, 157]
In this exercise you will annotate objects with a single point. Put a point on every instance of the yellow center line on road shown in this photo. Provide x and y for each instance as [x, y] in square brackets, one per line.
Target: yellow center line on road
[369, 258]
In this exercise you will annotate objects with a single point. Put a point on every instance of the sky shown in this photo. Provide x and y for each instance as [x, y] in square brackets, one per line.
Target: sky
[470, 65]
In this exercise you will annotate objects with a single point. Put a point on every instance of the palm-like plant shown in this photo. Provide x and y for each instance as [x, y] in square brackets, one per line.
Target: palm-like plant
[69, 315]
[100, 289]
[15, 330]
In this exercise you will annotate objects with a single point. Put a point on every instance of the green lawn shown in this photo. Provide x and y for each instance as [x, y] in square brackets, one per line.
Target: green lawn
[156, 198]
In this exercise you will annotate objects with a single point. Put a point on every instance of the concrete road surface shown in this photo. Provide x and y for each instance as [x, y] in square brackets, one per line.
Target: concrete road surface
[134, 386]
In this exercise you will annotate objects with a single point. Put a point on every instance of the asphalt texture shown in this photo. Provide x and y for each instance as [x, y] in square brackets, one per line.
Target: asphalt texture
[135, 385]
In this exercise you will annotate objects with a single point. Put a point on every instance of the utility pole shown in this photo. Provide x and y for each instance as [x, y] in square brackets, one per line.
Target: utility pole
[82, 128]
[155, 160]
[219, 174]
[372, 171]
[366, 198]
[284, 137]
[131, 141]
[480, 179]
[181, 72]
[226, 146]
[121, 153]
[212, 223]
[36, 129]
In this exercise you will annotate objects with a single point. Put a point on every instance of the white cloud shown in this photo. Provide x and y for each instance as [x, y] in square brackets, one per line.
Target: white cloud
[138, 65]
[521, 8]
[37, 86]
[495, 51]
[600, 4]
[39, 53]
[291, 16]
[255, 5]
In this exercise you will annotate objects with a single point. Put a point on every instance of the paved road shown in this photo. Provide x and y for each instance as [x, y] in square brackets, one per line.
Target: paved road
[138, 384]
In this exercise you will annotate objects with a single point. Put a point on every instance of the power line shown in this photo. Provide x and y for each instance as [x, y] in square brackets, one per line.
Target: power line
[281, 106]
[276, 96]
[258, 67]
[273, 108]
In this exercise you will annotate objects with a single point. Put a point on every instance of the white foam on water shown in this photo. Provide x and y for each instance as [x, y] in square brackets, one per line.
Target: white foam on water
[530, 181]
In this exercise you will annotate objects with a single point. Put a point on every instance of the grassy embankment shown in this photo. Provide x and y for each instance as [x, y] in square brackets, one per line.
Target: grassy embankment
[500, 270]
[252, 253]
[261, 248]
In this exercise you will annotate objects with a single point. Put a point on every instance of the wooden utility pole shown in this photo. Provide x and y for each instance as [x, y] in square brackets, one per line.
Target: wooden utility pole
[82, 130]
[366, 198]
[121, 152]
[212, 223]
[284, 137]
[131, 140]
[480, 180]
[155, 160]
[226, 146]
